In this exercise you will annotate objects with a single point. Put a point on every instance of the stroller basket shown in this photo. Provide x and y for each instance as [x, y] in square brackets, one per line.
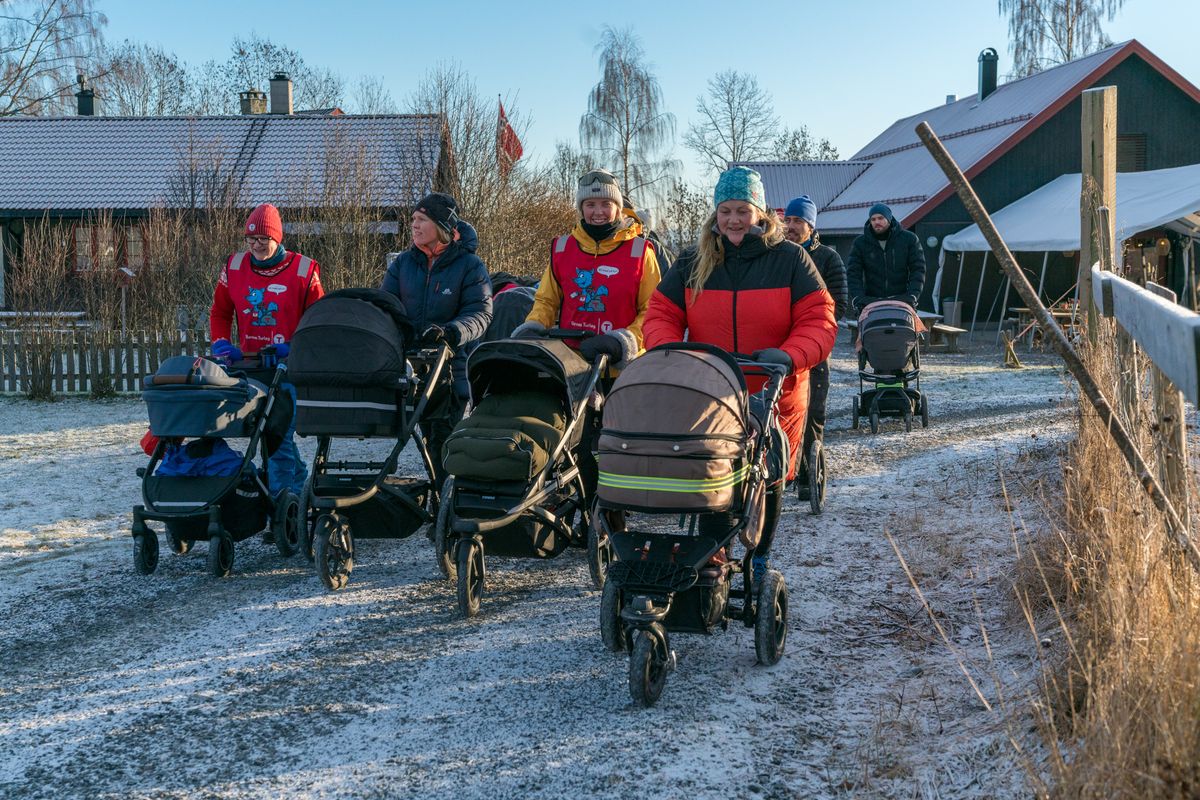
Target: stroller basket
[652, 574]
[193, 397]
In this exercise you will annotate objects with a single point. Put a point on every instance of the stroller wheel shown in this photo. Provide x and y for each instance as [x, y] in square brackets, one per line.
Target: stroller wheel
[649, 663]
[334, 551]
[816, 477]
[770, 619]
[443, 546]
[924, 411]
[145, 552]
[612, 628]
[179, 545]
[908, 419]
[854, 413]
[220, 555]
[599, 547]
[470, 576]
[874, 422]
[286, 524]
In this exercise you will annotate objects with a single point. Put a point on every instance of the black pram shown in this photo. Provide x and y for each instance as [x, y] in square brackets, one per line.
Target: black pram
[889, 342]
[357, 375]
[195, 398]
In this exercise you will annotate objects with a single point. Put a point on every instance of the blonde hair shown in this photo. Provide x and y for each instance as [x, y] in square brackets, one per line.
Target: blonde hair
[710, 252]
[444, 236]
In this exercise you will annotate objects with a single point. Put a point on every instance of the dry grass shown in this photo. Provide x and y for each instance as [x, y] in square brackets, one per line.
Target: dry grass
[1120, 705]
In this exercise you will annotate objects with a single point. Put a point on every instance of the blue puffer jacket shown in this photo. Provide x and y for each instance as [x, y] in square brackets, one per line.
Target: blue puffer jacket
[456, 293]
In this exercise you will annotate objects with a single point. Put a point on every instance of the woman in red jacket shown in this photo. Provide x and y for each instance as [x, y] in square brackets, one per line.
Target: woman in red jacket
[746, 289]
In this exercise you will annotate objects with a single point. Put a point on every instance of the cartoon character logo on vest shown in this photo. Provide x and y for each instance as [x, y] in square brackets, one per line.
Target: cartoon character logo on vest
[589, 294]
[264, 315]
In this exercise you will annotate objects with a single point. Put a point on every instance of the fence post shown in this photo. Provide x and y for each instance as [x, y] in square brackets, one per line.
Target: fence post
[1172, 431]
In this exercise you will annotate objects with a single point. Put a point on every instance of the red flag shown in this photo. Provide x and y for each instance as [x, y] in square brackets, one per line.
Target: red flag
[508, 146]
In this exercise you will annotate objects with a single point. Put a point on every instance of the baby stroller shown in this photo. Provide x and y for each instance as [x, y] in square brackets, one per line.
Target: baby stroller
[888, 334]
[682, 436]
[515, 487]
[195, 397]
[358, 376]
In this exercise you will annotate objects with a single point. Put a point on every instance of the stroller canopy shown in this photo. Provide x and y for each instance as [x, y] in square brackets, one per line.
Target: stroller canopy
[352, 337]
[522, 364]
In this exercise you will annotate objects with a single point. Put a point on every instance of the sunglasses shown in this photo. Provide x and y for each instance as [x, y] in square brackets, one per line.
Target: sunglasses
[597, 176]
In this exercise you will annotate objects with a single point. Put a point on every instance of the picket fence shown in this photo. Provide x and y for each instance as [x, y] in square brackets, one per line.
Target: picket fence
[52, 362]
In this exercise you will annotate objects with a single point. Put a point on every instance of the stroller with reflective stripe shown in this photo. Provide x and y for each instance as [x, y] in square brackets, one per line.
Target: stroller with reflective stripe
[889, 341]
[684, 441]
[357, 375]
[195, 398]
[515, 488]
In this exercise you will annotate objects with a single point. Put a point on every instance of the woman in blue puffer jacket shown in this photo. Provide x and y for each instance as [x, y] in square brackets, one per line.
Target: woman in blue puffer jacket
[446, 289]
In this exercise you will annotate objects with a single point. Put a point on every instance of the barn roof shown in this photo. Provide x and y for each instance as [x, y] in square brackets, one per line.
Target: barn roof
[86, 163]
[900, 171]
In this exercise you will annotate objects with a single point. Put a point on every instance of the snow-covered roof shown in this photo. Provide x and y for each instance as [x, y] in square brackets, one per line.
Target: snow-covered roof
[900, 171]
[820, 180]
[85, 163]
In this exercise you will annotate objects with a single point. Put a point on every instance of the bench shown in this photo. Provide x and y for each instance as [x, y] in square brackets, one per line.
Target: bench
[945, 337]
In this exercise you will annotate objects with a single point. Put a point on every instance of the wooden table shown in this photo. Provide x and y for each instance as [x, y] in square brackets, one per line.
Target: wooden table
[1025, 319]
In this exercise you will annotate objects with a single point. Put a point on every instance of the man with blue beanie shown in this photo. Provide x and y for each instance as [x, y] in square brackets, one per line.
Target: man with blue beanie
[800, 226]
[886, 262]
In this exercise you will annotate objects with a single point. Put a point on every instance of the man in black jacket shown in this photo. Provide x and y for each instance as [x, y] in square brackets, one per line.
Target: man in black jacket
[800, 224]
[886, 262]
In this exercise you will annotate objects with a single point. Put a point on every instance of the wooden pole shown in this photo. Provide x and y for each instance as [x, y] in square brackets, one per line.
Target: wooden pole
[1172, 431]
[1098, 130]
[1176, 532]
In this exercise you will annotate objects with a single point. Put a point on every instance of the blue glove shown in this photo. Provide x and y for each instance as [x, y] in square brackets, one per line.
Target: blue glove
[270, 356]
[224, 350]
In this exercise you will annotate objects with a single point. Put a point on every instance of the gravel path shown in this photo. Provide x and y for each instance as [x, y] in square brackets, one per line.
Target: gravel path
[265, 685]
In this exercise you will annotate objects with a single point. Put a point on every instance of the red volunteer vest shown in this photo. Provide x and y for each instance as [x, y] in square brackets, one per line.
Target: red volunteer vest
[600, 293]
[268, 307]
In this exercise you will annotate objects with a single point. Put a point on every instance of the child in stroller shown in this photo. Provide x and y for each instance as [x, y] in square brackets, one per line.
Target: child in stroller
[516, 485]
[888, 340]
[203, 489]
[683, 437]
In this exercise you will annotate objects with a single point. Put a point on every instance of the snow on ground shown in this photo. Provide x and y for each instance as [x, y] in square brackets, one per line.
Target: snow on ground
[263, 684]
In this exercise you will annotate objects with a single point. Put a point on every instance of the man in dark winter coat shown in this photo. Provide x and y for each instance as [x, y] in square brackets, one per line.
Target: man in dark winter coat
[886, 262]
[800, 226]
[448, 295]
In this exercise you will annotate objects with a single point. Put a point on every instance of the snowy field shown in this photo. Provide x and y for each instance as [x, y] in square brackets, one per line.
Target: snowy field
[265, 685]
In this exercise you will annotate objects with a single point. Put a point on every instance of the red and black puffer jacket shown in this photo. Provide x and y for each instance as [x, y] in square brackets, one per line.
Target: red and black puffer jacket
[762, 296]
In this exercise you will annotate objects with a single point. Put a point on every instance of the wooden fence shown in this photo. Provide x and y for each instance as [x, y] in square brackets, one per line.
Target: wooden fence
[50, 362]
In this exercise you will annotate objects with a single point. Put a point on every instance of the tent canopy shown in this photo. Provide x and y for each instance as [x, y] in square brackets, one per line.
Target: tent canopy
[1047, 219]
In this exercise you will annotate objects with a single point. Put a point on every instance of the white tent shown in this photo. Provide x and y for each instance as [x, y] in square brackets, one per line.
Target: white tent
[1047, 219]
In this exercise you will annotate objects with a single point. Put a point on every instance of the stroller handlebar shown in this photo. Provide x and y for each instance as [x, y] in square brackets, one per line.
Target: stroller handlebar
[567, 333]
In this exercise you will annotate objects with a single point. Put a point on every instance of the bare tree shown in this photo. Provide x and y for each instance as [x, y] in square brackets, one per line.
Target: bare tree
[684, 211]
[567, 166]
[736, 122]
[256, 59]
[371, 96]
[625, 125]
[142, 80]
[1043, 33]
[798, 144]
[44, 44]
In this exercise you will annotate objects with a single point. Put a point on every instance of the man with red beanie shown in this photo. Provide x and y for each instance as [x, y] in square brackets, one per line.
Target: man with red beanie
[265, 289]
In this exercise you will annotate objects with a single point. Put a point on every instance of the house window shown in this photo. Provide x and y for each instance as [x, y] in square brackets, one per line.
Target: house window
[83, 247]
[1131, 152]
[95, 247]
[134, 254]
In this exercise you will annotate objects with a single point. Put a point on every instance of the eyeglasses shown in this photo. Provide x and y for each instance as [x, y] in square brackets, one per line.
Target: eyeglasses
[598, 176]
[258, 239]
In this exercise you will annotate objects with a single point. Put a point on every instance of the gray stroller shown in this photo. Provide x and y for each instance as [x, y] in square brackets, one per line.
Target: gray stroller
[888, 343]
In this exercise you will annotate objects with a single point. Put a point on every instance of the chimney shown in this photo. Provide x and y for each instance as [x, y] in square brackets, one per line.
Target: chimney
[281, 94]
[253, 102]
[988, 61]
[85, 98]
[951, 98]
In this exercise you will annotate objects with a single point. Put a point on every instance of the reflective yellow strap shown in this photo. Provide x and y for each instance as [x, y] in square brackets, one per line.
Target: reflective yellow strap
[685, 485]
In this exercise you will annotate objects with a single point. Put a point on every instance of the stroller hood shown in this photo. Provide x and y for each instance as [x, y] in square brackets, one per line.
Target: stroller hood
[512, 365]
[350, 338]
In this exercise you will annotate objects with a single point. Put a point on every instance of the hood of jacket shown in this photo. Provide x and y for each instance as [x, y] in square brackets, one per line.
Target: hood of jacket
[467, 237]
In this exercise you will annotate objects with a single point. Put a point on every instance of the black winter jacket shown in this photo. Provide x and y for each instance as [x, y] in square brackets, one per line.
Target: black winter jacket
[456, 293]
[896, 272]
[832, 270]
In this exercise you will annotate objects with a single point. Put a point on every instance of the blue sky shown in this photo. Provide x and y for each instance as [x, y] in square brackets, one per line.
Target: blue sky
[846, 69]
